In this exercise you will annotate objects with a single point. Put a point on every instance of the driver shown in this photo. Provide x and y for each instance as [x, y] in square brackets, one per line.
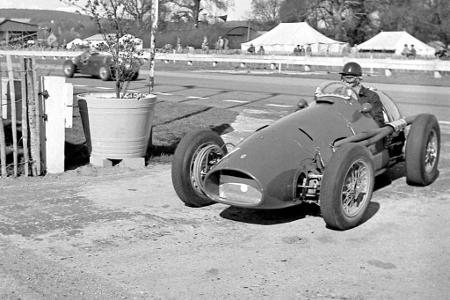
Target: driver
[351, 76]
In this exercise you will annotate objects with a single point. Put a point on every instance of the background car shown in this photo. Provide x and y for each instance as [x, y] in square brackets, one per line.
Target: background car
[97, 64]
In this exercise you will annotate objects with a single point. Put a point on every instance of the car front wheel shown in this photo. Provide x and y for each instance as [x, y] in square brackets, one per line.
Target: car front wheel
[347, 187]
[195, 155]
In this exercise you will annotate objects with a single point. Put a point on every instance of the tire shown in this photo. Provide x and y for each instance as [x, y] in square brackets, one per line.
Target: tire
[422, 151]
[68, 69]
[135, 76]
[341, 211]
[104, 73]
[191, 151]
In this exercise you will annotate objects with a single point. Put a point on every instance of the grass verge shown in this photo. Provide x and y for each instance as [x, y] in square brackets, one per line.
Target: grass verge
[172, 121]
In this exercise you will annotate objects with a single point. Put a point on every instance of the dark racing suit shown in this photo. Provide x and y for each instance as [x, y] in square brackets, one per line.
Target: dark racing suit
[368, 96]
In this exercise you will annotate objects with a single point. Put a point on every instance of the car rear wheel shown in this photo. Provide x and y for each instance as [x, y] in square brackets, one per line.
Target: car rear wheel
[422, 150]
[68, 69]
[195, 155]
[104, 73]
[347, 187]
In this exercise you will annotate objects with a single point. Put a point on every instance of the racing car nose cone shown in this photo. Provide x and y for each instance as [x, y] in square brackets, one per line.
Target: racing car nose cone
[233, 187]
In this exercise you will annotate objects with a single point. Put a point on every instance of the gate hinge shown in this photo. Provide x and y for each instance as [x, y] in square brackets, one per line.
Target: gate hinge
[44, 94]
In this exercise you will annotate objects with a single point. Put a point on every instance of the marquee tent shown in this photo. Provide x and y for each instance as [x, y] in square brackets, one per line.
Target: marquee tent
[286, 36]
[394, 42]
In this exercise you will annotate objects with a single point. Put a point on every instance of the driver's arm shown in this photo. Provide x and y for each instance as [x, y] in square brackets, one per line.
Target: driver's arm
[377, 108]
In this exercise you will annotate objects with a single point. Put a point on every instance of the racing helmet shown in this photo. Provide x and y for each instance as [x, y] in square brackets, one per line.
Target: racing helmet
[351, 68]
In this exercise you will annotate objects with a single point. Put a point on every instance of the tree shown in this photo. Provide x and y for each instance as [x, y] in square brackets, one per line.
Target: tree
[267, 11]
[114, 22]
[293, 11]
[139, 10]
[426, 19]
[345, 20]
[437, 19]
[190, 9]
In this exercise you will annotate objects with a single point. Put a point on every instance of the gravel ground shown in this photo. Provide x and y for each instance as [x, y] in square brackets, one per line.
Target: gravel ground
[115, 233]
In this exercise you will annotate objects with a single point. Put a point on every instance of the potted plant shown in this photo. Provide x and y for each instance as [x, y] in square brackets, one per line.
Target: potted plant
[117, 125]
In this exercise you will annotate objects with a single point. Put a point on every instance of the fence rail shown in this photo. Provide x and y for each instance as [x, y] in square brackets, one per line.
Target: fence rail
[433, 65]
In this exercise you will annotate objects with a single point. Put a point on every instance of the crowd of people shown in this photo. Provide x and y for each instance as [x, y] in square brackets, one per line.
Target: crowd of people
[252, 50]
[301, 51]
[409, 52]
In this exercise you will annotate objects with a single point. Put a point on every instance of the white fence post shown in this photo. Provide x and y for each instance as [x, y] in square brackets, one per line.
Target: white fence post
[59, 114]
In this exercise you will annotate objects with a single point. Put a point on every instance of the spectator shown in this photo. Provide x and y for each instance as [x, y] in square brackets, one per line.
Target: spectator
[261, 50]
[251, 49]
[441, 53]
[405, 51]
[412, 52]
[205, 47]
[302, 50]
[226, 43]
[308, 50]
[297, 50]
[219, 43]
[354, 51]
[346, 50]
[179, 48]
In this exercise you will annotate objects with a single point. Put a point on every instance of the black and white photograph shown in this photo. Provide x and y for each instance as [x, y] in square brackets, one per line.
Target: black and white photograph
[224, 149]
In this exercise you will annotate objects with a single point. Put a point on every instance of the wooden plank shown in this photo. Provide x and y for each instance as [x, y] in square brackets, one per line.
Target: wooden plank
[2, 135]
[25, 118]
[3, 97]
[13, 113]
[32, 116]
[37, 87]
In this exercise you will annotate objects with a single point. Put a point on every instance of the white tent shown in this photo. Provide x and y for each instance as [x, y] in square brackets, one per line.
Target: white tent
[394, 42]
[286, 36]
[98, 40]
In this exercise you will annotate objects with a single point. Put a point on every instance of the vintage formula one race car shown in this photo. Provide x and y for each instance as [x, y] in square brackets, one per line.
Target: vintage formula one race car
[328, 153]
[99, 64]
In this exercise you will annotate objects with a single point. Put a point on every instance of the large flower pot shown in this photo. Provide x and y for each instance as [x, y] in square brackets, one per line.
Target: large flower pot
[116, 128]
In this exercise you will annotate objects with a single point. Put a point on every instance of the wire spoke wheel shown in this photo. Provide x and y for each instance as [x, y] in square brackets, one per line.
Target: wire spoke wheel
[431, 151]
[196, 154]
[67, 69]
[202, 161]
[355, 190]
[347, 187]
[104, 73]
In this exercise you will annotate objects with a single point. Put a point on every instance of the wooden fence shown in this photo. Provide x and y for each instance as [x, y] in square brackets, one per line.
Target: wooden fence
[21, 118]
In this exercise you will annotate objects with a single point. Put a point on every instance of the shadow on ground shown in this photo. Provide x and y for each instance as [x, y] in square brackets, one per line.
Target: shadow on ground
[77, 155]
[298, 212]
